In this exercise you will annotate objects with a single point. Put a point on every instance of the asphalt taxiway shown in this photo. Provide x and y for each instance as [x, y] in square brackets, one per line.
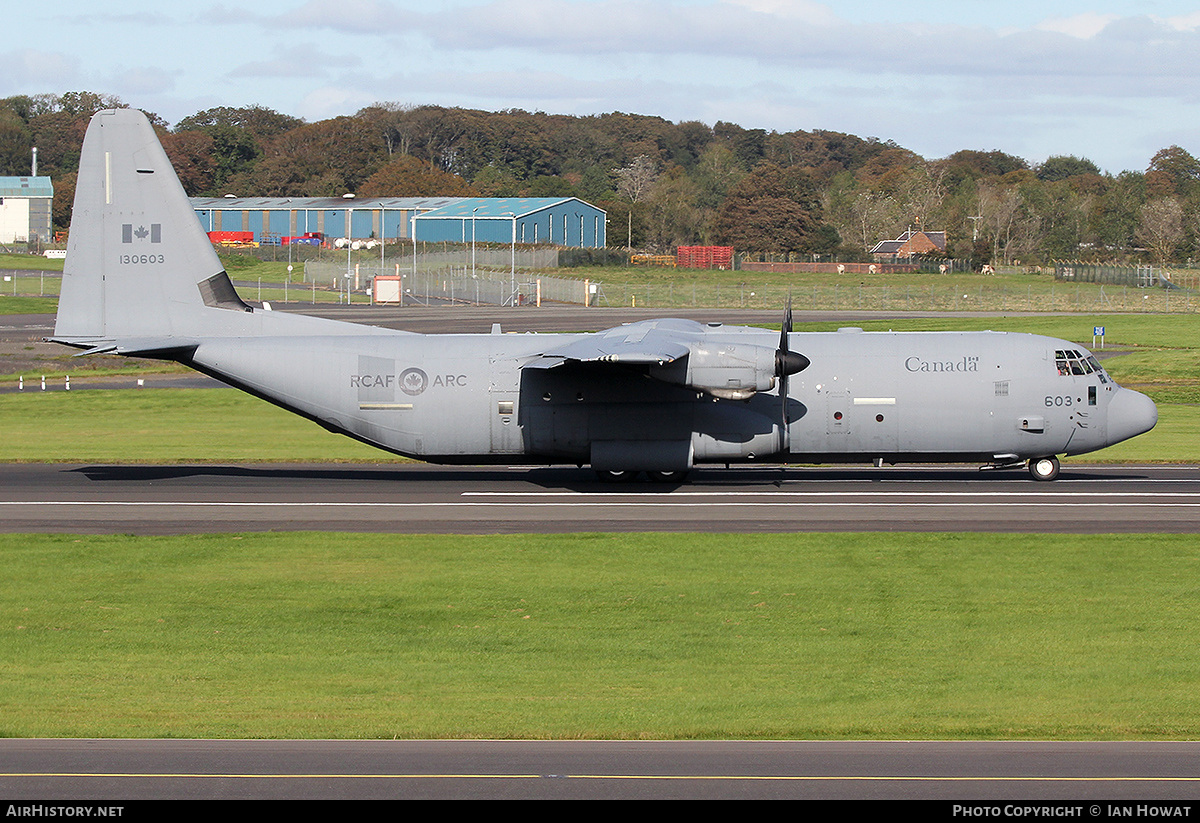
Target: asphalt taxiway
[1004, 775]
[419, 498]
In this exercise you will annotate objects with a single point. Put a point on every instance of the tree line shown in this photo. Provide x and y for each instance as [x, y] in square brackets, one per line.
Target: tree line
[663, 184]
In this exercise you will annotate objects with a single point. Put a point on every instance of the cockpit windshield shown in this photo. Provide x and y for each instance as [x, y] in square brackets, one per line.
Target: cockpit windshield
[1073, 362]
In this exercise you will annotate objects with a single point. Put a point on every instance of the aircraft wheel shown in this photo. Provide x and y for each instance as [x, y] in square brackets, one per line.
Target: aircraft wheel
[668, 477]
[617, 476]
[1044, 468]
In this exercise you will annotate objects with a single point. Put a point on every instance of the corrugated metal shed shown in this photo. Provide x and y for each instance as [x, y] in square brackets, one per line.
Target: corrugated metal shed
[558, 221]
[357, 218]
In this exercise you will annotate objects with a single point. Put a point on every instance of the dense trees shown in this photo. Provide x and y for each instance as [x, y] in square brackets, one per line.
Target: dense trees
[406, 176]
[773, 209]
[662, 183]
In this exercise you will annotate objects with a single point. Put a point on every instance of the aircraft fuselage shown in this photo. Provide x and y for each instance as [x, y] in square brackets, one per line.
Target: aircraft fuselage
[896, 397]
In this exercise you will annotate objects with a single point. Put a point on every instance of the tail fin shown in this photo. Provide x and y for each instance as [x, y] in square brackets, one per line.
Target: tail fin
[139, 266]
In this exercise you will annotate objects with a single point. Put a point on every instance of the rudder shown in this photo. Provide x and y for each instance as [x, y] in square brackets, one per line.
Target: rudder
[138, 264]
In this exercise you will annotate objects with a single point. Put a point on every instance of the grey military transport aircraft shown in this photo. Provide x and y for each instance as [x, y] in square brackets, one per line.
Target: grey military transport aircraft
[658, 396]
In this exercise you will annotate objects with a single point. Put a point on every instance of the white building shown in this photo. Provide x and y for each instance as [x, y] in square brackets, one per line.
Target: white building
[25, 204]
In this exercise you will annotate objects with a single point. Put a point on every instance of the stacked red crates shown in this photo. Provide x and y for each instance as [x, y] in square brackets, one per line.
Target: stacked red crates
[704, 257]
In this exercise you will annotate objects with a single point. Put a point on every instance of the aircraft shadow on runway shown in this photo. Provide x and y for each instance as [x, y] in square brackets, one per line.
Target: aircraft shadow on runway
[571, 478]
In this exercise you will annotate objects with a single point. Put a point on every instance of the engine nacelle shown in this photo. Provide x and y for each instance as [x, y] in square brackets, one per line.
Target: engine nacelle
[729, 371]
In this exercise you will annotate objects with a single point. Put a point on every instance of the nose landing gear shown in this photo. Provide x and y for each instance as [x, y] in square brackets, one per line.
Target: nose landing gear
[1044, 468]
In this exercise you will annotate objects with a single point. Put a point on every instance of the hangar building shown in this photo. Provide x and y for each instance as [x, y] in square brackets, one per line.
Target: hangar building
[551, 220]
[25, 207]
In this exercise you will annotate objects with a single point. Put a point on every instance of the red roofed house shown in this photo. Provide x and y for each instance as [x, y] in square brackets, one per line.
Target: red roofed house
[910, 243]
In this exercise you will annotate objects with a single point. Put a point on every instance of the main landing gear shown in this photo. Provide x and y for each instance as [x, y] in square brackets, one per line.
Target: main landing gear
[1044, 468]
[630, 476]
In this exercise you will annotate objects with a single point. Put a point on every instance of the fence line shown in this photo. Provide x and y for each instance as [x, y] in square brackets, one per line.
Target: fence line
[485, 283]
[1042, 297]
[1110, 273]
[496, 287]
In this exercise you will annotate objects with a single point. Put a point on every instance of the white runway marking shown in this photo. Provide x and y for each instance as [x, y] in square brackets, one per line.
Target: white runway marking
[598, 501]
[674, 495]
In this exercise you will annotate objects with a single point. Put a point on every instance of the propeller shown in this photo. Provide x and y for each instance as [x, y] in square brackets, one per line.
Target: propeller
[787, 362]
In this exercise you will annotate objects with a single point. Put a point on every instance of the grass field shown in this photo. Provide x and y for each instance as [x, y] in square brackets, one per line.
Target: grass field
[671, 288]
[164, 426]
[30, 262]
[27, 305]
[601, 636]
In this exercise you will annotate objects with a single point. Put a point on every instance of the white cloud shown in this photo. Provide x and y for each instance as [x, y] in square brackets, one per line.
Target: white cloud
[1184, 22]
[295, 60]
[331, 101]
[360, 16]
[1083, 26]
[816, 14]
[145, 80]
[44, 70]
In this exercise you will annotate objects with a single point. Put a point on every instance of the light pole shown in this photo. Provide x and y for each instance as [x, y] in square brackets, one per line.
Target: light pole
[512, 295]
[349, 243]
[477, 208]
[412, 283]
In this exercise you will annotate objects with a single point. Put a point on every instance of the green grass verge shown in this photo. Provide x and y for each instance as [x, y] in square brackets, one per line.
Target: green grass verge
[31, 262]
[600, 636]
[1162, 352]
[1165, 331]
[27, 305]
[164, 426]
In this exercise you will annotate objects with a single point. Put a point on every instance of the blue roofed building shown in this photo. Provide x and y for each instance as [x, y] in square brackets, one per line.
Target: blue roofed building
[25, 209]
[555, 221]
[270, 218]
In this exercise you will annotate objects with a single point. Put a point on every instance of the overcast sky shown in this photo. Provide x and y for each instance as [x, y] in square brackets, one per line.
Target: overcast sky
[1114, 81]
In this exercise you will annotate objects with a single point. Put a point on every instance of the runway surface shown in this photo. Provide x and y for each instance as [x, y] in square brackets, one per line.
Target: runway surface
[418, 498]
[1079, 775]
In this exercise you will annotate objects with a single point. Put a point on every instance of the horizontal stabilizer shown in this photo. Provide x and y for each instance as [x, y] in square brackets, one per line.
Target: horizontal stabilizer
[161, 348]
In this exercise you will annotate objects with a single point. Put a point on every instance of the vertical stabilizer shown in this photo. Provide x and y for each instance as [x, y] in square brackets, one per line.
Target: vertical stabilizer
[138, 262]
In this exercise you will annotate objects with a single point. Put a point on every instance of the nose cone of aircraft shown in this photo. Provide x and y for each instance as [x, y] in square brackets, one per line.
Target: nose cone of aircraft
[1130, 413]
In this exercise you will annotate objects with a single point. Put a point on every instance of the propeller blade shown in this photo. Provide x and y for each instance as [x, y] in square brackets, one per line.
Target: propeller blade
[786, 329]
[787, 362]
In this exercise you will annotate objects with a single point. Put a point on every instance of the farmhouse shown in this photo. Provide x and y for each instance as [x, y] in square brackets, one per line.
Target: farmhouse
[910, 243]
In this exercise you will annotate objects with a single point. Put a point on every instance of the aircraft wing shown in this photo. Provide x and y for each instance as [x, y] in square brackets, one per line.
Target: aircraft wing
[647, 343]
[681, 352]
